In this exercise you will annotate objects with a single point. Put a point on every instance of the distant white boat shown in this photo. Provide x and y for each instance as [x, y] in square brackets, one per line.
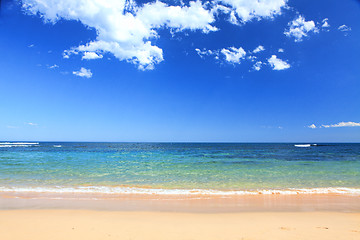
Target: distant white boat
[302, 145]
[57, 146]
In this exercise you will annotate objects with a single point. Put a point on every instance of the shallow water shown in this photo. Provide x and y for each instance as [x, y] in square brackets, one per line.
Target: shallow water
[168, 166]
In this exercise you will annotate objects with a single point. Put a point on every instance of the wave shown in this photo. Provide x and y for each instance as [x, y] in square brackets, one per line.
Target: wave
[159, 191]
[18, 144]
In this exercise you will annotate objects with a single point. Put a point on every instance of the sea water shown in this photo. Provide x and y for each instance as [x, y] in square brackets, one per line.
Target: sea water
[179, 168]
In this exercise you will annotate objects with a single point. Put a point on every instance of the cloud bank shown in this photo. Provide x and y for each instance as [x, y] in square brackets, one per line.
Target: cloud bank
[340, 124]
[128, 30]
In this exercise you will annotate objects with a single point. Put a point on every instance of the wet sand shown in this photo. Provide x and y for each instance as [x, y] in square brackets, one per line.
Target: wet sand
[183, 203]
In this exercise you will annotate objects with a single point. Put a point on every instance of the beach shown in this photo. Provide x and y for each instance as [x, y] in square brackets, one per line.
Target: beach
[86, 224]
[62, 216]
[179, 191]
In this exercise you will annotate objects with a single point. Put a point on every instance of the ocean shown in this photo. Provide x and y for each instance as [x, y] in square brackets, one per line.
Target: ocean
[179, 168]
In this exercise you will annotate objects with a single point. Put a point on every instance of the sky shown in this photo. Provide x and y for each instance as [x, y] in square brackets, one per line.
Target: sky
[180, 71]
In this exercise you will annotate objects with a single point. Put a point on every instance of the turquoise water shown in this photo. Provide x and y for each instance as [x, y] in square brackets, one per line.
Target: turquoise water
[220, 166]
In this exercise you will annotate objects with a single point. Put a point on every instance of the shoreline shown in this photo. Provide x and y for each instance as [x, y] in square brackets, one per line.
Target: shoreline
[148, 190]
[94, 216]
[182, 203]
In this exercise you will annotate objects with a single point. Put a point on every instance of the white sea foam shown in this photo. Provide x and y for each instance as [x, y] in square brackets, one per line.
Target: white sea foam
[153, 191]
[18, 144]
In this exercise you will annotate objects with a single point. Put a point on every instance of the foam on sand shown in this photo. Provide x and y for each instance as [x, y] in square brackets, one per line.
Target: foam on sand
[153, 191]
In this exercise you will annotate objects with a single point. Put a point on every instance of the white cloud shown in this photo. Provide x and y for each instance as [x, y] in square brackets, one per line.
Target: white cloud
[233, 54]
[259, 49]
[123, 28]
[246, 10]
[32, 124]
[252, 58]
[278, 64]
[128, 30]
[342, 124]
[299, 28]
[281, 50]
[257, 66]
[325, 23]
[53, 66]
[205, 52]
[91, 55]
[31, 45]
[83, 72]
[313, 126]
[344, 28]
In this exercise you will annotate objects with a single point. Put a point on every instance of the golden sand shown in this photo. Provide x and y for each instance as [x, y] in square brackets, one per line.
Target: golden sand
[89, 224]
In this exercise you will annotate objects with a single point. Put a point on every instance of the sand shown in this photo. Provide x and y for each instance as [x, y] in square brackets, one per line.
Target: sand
[74, 224]
[69, 217]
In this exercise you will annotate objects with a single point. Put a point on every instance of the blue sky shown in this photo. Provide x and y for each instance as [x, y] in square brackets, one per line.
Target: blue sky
[169, 71]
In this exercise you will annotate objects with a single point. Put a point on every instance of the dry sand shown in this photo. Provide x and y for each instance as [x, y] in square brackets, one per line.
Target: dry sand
[90, 224]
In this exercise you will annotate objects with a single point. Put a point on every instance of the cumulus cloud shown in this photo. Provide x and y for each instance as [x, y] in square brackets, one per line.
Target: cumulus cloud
[123, 28]
[281, 50]
[83, 72]
[233, 54]
[259, 49]
[300, 28]
[342, 124]
[91, 55]
[278, 64]
[313, 126]
[245, 10]
[257, 66]
[206, 52]
[128, 31]
[325, 23]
